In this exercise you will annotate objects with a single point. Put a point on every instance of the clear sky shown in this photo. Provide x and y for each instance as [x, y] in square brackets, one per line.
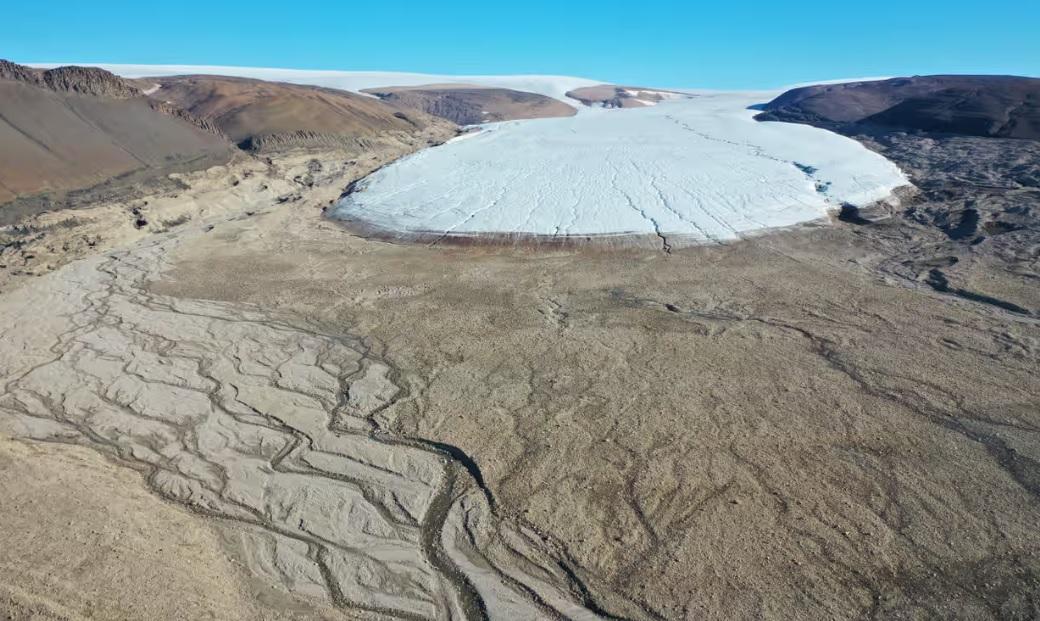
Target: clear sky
[718, 44]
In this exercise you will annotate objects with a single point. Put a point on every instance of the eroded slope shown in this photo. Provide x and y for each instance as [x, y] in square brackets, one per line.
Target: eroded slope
[73, 128]
[473, 105]
[261, 115]
[992, 106]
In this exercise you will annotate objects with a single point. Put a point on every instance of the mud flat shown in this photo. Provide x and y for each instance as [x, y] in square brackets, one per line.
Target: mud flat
[790, 426]
[272, 424]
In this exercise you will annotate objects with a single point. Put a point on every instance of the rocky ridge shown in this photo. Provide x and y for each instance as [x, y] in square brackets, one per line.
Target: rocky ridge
[613, 96]
[71, 79]
[259, 116]
[473, 105]
[985, 106]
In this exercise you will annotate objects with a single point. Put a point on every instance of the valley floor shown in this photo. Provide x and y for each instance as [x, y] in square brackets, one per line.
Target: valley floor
[805, 424]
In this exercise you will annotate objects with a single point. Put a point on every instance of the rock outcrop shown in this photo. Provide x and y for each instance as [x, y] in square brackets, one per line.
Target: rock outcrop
[988, 106]
[264, 116]
[473, 105]
[613, 96]
[71, 79]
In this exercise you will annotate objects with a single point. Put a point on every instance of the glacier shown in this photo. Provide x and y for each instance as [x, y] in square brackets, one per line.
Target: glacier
[693, 170]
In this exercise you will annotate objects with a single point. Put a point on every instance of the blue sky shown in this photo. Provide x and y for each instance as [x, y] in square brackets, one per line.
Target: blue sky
[720, 44]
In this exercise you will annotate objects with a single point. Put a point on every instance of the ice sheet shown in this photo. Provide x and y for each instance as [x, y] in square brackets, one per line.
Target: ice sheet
[698, 168]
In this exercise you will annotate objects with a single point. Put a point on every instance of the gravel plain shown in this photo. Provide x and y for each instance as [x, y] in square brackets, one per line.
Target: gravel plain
[836, 420]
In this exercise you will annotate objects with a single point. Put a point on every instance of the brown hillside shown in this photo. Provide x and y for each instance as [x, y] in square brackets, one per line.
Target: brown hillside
[471, 105]
[73, 128]
[260, 115]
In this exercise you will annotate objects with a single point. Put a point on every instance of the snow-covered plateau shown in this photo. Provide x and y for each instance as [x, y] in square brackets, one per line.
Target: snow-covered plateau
[696, 169]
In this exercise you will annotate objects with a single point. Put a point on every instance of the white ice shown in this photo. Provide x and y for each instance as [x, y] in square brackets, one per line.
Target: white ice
[697, 169]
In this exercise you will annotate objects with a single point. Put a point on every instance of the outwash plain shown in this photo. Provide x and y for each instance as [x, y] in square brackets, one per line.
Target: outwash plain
[219, 402]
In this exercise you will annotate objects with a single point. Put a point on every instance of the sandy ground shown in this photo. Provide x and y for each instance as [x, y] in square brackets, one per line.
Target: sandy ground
[778, 428]
[84, 539]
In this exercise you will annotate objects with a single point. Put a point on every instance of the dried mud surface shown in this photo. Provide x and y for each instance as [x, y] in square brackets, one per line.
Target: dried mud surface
[833, 422]
[122, 553]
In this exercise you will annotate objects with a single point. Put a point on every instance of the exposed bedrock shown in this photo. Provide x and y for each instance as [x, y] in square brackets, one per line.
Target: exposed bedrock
[995, 106]
[261, 116]
[473, 105]
[71, 79]
[611, 96]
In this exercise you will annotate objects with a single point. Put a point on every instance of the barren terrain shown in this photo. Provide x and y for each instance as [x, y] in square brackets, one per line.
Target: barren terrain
[768, 429]
[776, 428]
[243, 409]
[990, 106]
[73, 128]
[473, 104]
[266, 116]
[611, 96]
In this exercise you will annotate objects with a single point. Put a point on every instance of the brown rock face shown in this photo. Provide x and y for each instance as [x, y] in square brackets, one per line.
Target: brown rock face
[89, 81]
[14, 71]
[71, 79]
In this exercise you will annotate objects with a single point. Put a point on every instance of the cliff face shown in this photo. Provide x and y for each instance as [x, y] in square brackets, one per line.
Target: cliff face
[988, 106]
[68, 129]
[82, 80]
[20, 73]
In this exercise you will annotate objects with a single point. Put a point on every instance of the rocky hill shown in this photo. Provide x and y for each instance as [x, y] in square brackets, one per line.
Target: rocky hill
[613, 96]
[472, 105]
[263, 116]
[71, 79]
[68, 129]
[71, 136]
[990, 106]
